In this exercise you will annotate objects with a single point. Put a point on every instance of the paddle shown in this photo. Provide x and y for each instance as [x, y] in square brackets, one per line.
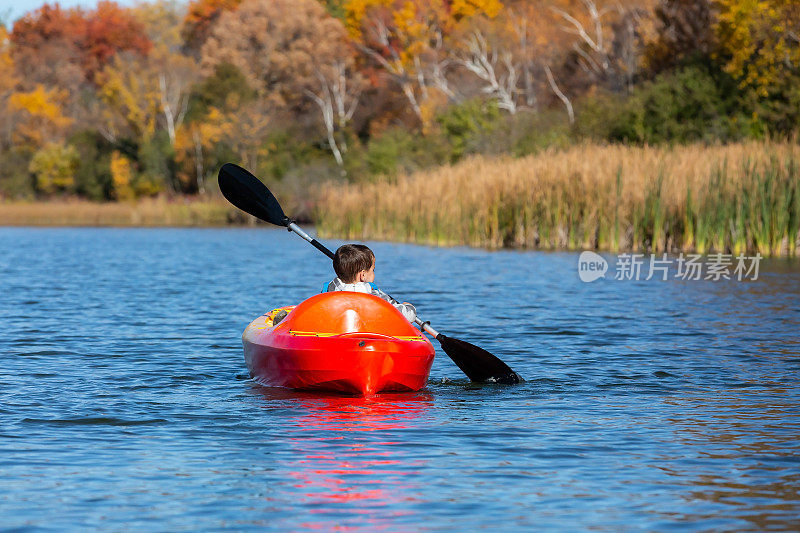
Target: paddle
[249, 194]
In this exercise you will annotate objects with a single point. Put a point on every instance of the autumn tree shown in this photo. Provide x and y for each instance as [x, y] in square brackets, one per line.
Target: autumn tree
[213, 105]
[39, 116]
[201, 16]
[143, 105]
[276, 44]
[144, 100]
[240, 125]
[607, 40]
[129, 91]
[760, 42]
[684, 31]
[45, 47]
[407, 38]
[51, 44]
[336, 96]
[193, 148]
[109, 30]
[64, 49]
[244, 129]
[759, 45]
[503, 57]
[175, 73]
[8, 83]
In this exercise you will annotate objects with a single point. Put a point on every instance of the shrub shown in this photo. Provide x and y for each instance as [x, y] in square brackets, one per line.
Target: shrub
[687, 105]
[54, 167]
[286, 150]
[398, 150]
[466, 124]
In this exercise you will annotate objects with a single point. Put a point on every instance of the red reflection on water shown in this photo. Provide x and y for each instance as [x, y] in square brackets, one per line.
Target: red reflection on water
[349, 466]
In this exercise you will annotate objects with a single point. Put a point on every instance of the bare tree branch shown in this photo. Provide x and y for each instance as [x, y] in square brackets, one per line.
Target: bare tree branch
[579, 30]
[560, 94]
[337, 102]
[484, 62]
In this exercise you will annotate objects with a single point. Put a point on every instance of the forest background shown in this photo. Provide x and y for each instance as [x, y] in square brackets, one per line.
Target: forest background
[653, 124]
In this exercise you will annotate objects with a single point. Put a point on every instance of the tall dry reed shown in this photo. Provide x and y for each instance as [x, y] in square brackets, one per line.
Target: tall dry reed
[739, 197]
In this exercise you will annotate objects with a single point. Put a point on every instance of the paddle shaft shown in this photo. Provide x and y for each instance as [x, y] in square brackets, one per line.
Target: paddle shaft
[291, 226]
[306, 237]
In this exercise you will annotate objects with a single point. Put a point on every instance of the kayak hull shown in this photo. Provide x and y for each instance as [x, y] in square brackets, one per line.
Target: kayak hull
[351, 343]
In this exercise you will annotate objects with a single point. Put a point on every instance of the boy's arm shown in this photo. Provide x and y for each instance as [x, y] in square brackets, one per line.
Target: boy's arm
[408, 310]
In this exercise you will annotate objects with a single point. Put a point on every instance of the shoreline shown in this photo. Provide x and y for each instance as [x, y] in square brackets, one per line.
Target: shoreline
[730, 199]
[162, 213]
[158, 212]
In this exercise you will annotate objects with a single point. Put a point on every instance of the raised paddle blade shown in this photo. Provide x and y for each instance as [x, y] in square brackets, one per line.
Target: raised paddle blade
[478, 364]
[246, 192]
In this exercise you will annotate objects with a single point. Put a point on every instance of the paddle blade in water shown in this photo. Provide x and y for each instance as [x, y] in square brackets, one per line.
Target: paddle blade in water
[478, 364]
[246, 192]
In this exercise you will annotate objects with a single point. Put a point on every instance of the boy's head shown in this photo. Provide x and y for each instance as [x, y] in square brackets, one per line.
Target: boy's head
[354, 263]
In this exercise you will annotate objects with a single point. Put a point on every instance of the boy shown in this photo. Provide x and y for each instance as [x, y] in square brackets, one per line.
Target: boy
[354, 265]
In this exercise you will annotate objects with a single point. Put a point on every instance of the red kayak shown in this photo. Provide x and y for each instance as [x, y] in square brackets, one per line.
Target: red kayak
[338, 341]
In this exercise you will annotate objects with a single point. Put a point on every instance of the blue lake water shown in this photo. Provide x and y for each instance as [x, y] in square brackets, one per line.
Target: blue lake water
[125, 403]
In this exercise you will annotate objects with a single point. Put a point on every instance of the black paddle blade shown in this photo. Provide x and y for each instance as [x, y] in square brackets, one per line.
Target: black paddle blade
[478, 364]
[246, 192]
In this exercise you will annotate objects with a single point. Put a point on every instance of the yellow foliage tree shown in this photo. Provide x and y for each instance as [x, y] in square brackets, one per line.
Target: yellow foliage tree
[469, 8]
[760, 40]
[121, 176]
[41, 116]
[130, 91]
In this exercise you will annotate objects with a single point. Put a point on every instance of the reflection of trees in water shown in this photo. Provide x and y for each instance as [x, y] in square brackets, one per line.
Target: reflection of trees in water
[347, 468]
[744, 460]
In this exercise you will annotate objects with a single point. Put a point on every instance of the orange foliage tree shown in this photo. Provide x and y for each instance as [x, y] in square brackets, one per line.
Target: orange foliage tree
[45, 39]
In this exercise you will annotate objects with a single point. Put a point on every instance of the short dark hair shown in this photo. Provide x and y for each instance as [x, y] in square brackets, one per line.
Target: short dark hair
[350, 259]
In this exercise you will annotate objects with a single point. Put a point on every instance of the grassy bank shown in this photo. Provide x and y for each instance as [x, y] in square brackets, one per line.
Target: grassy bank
[150, 212]
[739, 198]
